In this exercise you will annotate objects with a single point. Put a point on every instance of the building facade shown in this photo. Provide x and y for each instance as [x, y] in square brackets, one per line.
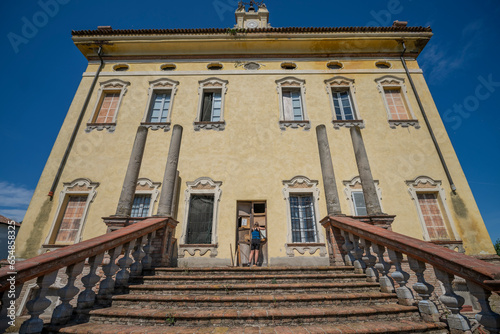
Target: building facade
[251, 109]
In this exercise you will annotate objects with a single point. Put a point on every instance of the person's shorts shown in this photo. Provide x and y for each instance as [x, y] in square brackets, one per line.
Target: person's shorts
[255, 244]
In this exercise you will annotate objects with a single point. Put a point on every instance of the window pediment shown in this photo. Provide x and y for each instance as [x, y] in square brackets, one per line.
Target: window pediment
[339, 81]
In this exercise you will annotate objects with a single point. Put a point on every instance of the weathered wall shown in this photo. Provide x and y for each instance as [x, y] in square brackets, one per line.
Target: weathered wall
[252, 156]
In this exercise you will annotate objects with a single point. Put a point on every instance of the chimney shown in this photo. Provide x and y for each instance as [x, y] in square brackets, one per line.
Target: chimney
[400, 23]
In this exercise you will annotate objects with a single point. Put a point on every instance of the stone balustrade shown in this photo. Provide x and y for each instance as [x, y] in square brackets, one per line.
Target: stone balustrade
[126, 252]
[362, 241]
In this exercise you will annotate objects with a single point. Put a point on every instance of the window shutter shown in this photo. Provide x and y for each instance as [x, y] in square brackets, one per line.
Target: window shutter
[287, 106]
[72, 219]
[217, 106]
[206, 110]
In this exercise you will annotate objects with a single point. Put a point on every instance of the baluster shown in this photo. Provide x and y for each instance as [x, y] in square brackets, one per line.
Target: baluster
[370, 260]
[62, 313]
[405, 297]
[348, 247]
[86, 299]
[108, 284]
[138, 254]
[8, 311]
[489, 319]
[147, 261]
[357, 253]
[38, 304]
[122, 276]
[452, 301]
[427, 308]
[383, 268]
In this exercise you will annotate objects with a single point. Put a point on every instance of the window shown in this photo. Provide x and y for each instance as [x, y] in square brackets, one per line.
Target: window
[430, 201]
[342, 102]
[288, 66]
[358, 199]
[432, 216]
[395, 103]
[159, 108]
[74, 202]
[121, 67]
[382, 64]
[202, 198]
[343, 105]
[108, 108]
[212, 92]
[200, 219]
[303, 218]
[109, 98]
[71, 220]
[293, 112]
[215, 66]
[141, 205]
[399, 111]
[335, 65]
[354, 195]
[292, 105]
[168, 67]
[212, 106]
[302, 195]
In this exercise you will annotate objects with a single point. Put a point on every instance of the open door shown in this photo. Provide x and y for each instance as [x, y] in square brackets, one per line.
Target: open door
[249, 213]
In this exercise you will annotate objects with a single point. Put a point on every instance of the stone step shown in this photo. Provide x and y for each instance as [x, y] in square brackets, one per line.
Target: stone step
[251, 301]
[246, 278]
[372, 327]
[243, 316]
[253, 270]
[254, 288]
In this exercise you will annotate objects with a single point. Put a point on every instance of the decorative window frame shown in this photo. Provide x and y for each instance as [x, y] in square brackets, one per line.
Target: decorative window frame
[292, 82]
[343, 83]
[354, 184]
[425, 184]
[147, 187]
[107, 86]
[81, 186]
[303, 185]
[208, 85]
[390, 81]
[202, 185]
[162, 84]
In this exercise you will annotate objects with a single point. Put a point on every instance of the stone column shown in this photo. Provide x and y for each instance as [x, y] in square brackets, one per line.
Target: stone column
[134, 165]
[331, 193]
[168, 187]
[365, 173]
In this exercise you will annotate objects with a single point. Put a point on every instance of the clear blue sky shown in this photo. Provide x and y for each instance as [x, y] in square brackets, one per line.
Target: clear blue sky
[41, 69]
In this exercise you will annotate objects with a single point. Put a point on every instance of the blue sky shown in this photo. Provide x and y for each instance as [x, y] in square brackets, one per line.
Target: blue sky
[41, 70]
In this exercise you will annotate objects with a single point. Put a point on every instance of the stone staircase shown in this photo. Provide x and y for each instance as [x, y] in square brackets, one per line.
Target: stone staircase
[261, 300]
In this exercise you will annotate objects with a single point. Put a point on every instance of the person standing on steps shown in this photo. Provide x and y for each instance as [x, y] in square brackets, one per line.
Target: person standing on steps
[254, 245]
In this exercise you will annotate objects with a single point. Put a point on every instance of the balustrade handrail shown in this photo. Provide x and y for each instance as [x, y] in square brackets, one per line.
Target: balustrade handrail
[66, 256]
[467, 267]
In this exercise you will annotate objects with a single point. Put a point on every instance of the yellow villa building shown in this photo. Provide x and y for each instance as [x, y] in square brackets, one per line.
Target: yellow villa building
[276, 126]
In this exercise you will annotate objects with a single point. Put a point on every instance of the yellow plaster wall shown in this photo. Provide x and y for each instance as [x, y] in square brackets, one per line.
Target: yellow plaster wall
[252, 156]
